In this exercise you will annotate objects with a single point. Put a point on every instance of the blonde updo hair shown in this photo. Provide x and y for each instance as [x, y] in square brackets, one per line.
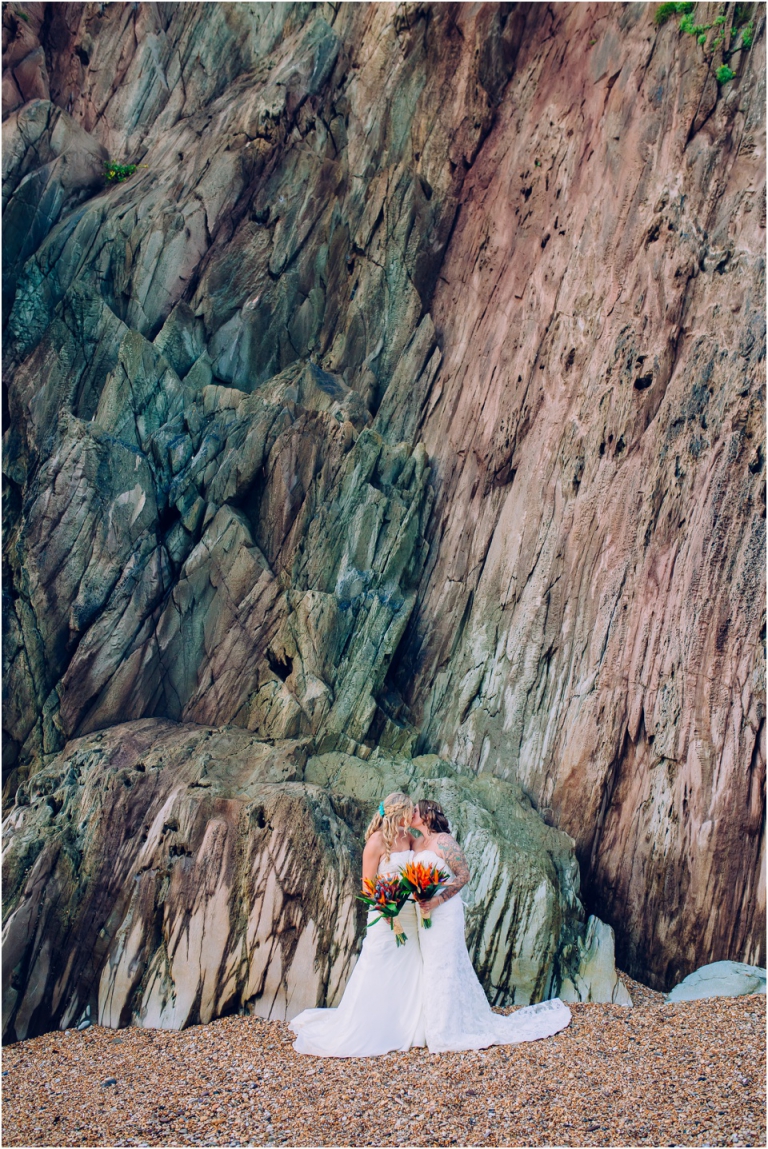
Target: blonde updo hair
[398, 810]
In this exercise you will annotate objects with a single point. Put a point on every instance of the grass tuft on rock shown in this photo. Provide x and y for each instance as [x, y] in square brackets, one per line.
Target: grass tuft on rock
[117, 173]
[672, 8]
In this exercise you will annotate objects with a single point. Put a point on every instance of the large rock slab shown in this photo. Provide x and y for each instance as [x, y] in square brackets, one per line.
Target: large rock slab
[163, 874]
[50, 163]
[229, 558]
[592, 620]
[166, 875]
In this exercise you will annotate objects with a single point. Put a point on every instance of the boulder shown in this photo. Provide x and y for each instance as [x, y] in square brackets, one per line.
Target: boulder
[719, 979]
[595, 977]
[165, 875]
[524, 917]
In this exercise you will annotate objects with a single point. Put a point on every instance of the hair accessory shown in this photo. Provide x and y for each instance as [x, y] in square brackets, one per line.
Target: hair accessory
[381, 809]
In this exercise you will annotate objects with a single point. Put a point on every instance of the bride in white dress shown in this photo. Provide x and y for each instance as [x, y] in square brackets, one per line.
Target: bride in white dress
[381, 1009]
[455, 1009]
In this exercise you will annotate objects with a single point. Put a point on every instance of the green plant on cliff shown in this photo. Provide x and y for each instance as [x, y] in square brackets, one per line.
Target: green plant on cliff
[665, 12]
[747, 35]
[116, 173]
[745, 32]
[700, 30]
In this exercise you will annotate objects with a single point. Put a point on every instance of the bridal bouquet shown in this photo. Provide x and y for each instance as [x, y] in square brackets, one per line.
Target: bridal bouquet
[423, 881]
[386, 894]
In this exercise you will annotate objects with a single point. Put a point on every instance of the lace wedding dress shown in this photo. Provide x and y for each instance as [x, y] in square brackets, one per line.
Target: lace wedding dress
[381, 1009]
[456, 1011]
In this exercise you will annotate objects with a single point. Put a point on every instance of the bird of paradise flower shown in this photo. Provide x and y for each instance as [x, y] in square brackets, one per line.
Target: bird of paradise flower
[423, 881]
[386, 894]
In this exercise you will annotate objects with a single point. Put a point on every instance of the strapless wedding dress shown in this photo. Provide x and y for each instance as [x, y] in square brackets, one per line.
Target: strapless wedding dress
[381, 1009]
[456, 1011]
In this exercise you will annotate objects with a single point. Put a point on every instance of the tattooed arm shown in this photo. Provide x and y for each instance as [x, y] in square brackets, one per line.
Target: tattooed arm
[451, 851]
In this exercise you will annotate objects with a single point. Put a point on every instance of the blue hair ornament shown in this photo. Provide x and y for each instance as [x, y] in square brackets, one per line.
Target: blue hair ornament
[381, 809]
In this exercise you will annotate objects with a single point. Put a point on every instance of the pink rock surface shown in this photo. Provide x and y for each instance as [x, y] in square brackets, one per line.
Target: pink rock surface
[591, 621]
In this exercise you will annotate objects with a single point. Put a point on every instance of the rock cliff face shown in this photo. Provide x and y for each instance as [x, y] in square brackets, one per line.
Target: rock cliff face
[407, 398]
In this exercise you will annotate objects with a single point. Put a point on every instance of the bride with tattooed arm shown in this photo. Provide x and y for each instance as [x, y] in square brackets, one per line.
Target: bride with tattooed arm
[456, 1013]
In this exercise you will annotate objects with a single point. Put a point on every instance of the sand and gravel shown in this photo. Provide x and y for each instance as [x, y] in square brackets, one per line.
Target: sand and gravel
[656, 1074]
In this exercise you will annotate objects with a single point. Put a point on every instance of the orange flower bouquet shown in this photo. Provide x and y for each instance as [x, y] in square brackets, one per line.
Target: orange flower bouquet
[423, 881]
[386, 894]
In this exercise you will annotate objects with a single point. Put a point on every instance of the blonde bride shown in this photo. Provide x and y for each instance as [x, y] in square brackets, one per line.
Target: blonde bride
[381, 1009]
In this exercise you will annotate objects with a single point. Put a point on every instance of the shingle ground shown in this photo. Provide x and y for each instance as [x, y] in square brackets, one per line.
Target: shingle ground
[692, 1073]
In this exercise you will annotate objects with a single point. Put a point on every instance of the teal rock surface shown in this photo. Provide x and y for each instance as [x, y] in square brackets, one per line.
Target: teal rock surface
[719, 979]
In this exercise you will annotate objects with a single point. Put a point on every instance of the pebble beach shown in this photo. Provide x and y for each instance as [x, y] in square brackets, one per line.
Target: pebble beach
[691, 1073]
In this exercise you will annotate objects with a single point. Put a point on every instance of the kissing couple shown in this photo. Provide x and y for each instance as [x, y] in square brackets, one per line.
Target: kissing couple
[423, 993]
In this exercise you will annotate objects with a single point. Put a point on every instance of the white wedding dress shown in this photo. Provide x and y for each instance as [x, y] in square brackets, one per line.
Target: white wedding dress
[381, 1009]
[456, 1011]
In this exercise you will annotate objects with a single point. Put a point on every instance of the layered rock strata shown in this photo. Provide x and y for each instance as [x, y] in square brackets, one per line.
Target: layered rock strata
[506, 259]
